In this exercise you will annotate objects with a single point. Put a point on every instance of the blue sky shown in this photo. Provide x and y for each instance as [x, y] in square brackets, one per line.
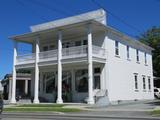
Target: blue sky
[17, 15]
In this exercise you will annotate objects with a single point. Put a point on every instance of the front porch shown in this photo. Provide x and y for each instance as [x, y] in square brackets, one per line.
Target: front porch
[74, 82]
[78, 46]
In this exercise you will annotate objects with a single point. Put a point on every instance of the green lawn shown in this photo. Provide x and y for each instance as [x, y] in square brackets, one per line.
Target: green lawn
[41, 105]
[156, 112]
[40, 108]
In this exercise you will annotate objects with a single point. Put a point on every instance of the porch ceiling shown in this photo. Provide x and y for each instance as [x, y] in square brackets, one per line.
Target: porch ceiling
[67, 31]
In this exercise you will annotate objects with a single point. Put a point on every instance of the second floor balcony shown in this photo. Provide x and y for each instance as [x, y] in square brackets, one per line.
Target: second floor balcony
[71, 53]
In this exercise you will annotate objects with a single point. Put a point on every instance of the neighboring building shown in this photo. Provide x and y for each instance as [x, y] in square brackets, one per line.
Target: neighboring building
[23, 83]
[81, 58]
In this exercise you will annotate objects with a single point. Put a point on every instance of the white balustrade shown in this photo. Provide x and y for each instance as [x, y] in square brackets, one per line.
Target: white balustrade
[67, 53]
[27, 58]
[48, 55]
[98, 52]
[74, 52]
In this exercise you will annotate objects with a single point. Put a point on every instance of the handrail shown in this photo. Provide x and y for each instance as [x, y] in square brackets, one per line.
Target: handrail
[71, 52]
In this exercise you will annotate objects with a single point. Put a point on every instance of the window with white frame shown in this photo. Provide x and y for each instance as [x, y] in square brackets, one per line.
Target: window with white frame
[116, 48]
[81, 80]
[128, 55]
[136, 81]
[145, 58]
[144, 82]
[48, 82]
[97, 77]
[149, 83]
[137, 55]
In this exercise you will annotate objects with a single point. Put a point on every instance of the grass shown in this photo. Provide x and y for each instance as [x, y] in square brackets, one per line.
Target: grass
[40, 108]
[156, 112]
[41, 105]
[54, 109]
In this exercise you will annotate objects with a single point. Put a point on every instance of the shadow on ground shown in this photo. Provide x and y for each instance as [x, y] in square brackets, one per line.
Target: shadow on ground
[154, 103]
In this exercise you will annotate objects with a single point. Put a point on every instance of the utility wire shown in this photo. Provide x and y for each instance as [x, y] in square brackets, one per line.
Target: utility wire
[116, 17]
[32, 10]
[42, 4]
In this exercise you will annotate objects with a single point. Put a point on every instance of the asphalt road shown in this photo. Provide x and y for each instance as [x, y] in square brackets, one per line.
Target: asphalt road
[63, 117]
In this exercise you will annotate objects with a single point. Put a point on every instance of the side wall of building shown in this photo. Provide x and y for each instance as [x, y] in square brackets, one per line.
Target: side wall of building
[121, 72]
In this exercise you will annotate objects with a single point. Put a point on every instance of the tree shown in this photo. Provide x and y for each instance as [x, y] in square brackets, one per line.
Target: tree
[152, 38]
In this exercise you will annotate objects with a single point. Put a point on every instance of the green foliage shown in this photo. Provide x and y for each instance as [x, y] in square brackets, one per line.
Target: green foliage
[41, 105]
[152, 38]
[156, 112]
[40, 108]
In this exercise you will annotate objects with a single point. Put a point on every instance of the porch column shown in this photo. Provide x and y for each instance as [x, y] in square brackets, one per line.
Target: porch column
[90, 66]
[13, 94]
[26, 87]
[59, 57]
[36, 83]
[10, 89]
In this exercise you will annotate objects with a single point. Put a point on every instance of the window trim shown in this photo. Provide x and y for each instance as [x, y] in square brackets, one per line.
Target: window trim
[117, 48]
[136, 82]
[137, 56]
[144, 82]
[149, 83]
[145, 59]
[128, 52]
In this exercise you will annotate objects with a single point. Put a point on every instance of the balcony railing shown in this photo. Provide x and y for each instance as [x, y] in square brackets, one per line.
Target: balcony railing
[67, 53]
[27, 58]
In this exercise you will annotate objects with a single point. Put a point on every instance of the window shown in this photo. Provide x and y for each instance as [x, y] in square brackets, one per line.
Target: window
[128, 56]
[85, 42]
[136, 81]
[45, 48]
[81, 77]
[49, 82]
[78, 43]
[149, 83]
[137, 55]
[144, 83]
[97, 72]
[116, 48]
[145, 58]
[51, 47]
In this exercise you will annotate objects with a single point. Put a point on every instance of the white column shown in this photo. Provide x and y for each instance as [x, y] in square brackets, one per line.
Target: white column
[13, 95]
[36, 83]
[26, 87]
[10, 90]
[59, 56]
[90, 67]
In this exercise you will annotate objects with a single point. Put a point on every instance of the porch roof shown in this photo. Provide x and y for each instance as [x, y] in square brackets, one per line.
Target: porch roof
[67, 30]
[79, 29]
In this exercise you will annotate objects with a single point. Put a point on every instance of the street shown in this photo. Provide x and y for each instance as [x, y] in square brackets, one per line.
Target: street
[24, 117]
[139, 110]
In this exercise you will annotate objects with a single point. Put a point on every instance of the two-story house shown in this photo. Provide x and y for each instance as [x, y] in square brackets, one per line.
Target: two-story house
[81, 58]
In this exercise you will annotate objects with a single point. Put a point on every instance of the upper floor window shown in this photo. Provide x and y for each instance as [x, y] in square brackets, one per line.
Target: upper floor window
[128, 56]
[116, 48]
[144, 83]
[137, 55]
[145, 58]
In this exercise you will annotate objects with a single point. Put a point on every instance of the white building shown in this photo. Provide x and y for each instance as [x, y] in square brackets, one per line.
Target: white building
[81, 58]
